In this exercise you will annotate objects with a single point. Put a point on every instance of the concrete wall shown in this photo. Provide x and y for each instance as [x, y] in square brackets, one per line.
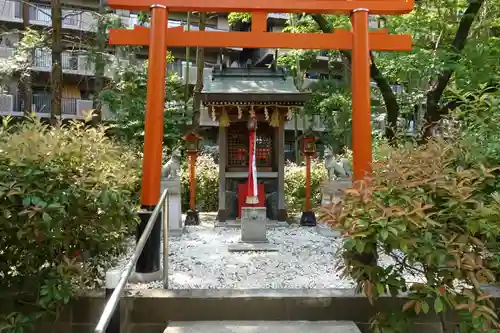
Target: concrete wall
[149, 311]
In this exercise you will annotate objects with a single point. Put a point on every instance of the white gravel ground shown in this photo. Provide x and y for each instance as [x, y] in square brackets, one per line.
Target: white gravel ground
[200, 260]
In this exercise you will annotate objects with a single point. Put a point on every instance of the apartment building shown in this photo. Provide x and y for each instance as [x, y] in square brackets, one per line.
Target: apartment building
[80, 21]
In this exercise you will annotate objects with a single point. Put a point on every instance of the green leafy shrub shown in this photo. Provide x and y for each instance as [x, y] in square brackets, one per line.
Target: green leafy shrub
[295, 184]
[207, 184]
[125, 98]
[67, 199]
[432, 216]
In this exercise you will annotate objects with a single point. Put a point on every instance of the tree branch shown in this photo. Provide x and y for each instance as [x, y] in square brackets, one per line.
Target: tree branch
[388, 95]
[433, 113]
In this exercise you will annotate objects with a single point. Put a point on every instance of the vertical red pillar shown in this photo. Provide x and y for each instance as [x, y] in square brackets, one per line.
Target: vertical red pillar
[361, 108]
[308, 183]
[148, 264]
[155, 101]
[192, 181]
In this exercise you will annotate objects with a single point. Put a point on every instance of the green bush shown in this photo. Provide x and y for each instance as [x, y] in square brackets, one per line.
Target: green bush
[429, 212]
[67, 199]
[207, 184]
[295, 185]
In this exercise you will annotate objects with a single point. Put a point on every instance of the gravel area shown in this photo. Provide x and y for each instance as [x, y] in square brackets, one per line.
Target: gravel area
[200, 260]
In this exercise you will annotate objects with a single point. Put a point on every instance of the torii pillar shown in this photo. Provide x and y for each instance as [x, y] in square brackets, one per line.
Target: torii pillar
[148, 265]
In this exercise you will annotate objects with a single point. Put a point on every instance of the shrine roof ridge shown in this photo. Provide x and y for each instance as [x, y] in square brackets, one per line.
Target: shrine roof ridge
[245, 85]
[255, 72]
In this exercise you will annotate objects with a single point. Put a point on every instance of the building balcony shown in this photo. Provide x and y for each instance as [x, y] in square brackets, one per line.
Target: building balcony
[72, 18]
[72, 63]
[11, 11]
[193, 73]
[6, 52]
[72, 108]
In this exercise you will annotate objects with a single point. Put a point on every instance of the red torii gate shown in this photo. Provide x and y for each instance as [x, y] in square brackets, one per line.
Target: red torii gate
[159, 36]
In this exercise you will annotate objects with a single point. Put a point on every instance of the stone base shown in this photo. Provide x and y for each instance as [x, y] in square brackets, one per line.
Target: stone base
[244, 247]
[308, 219]
[326, 231]
[145, 277]
[175, 232]
[253, 225]
[270, 224]
[192, 218]
[174, 203]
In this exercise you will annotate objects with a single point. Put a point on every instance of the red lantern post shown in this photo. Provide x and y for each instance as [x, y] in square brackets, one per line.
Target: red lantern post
[308, 148]
[192, 148]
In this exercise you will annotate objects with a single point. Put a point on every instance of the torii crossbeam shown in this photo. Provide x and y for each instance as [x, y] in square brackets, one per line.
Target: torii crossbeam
[359, 40]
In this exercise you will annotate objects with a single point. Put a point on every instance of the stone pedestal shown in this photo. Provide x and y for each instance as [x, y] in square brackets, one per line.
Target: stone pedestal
[175, 225]
[332, 194]
[253, 231]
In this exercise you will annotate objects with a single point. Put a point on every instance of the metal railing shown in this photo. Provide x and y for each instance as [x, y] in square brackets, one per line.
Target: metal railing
[11, 10]
[113, 301]
[71, 18]
[72, 62]
[43, 104]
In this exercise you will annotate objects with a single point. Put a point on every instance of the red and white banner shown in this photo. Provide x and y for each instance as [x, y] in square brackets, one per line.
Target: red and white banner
[252, 169]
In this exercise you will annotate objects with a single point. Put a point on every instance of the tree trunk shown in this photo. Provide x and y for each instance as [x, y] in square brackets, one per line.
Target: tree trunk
[200, 65]
[390, 101]
[56, 75]
[100, 63]
[25, 80]
[434, 112]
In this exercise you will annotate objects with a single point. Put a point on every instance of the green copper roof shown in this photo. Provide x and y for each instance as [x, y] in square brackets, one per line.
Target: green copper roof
[256, 84]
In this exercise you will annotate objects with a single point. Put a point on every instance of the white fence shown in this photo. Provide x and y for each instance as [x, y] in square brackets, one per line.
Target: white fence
[72, 18]
[71, 108]
[72, 63]
[11, 11]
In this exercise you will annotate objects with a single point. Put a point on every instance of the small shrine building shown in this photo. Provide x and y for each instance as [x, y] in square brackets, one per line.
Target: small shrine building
[233, 96]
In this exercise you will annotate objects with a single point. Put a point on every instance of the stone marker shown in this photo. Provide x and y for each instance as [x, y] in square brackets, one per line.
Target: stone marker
[175, 224]
[253, 231]
[263, 327]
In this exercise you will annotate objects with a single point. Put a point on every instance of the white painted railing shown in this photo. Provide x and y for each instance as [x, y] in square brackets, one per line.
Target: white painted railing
[6, 104]
[11, 11]
[72, 18]
[41, 104]
[71, 63]
[193, 73]
[6, 52]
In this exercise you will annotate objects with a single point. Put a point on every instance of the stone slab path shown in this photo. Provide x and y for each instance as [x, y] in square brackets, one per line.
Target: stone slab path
[263, 327]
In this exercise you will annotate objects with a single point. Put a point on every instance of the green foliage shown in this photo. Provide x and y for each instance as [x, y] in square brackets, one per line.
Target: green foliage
[433, 26]
[67, 200]
[332, 101]
[295, 189]
[125, 97]
[207, 184]
[20, 61]
[235, 18]
[434, 216]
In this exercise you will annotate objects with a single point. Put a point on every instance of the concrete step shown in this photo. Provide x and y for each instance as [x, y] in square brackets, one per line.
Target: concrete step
[262, 327]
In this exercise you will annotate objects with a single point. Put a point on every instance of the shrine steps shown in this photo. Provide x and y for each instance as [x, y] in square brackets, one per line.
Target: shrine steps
[263, 327]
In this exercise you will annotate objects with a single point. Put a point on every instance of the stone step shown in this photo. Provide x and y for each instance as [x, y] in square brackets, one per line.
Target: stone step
[262, 327]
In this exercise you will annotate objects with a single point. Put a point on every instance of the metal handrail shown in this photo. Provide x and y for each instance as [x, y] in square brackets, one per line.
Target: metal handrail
[113, 300]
